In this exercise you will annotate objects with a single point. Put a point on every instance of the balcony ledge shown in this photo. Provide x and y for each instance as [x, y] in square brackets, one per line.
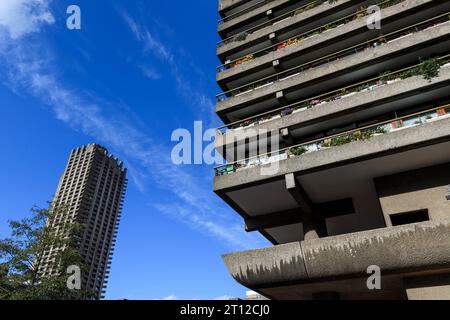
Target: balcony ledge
[396, 250]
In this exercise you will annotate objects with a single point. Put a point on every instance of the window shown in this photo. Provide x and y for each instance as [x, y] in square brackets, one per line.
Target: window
[409, 217]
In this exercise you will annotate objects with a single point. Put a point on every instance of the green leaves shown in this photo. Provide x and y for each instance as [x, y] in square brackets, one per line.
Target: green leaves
[22, 255]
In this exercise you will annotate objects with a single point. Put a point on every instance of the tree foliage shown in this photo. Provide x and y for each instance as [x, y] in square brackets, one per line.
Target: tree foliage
[22, 254]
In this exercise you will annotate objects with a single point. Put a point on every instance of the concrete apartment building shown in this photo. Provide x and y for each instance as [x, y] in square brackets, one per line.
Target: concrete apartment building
[93, 189]
[356, 122]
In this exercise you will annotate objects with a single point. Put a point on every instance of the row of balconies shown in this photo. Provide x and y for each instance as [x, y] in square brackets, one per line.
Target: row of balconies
[321, 100]
[297, 21]
[336, 140]
[357, 63]
[323, 40]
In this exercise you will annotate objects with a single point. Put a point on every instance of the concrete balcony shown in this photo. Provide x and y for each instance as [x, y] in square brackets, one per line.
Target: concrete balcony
[332, 72]
[256, 13]
[352, 104]
[311, 15]
[323, 41]
[229, 8]
[410, 257]
[343, 174]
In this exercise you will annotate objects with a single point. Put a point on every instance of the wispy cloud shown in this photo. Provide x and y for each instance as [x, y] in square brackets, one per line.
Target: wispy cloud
[26, 66]
[152, 44]
[150, 72]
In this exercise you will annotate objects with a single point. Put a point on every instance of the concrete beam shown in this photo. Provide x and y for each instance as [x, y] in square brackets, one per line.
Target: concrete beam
[273, 220]
[299, 194]
[287, 137]
[313, 225]
[293, 216]
[402, 250]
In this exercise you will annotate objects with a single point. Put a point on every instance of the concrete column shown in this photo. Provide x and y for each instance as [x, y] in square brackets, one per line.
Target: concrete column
[314, 226]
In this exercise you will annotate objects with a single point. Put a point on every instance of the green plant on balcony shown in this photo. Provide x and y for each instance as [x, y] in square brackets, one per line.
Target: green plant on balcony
[361, 12]
[297, 151]
[380, 130]
[361, 135]
[241, 36]
[430, 68]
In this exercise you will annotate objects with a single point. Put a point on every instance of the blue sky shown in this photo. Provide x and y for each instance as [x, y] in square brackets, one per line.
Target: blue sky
[136, 71]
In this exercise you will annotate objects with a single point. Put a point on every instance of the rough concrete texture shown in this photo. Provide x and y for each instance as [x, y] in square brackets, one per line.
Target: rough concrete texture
[386, 13]
[328, 69]
[276, 264]
[396, 250]
[387, 142]
[264, 32]
[326, 110]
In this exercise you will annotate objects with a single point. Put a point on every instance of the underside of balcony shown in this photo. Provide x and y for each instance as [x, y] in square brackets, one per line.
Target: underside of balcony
[340, 179]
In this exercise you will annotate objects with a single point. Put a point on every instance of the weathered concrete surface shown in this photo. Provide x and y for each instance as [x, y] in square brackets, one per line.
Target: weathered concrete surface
[415, 190]
[387, 142]
[349, 62]
[421, 246]
[276, 264]
[386, 13]
[396, 250]
[329, 109]
[264, 32]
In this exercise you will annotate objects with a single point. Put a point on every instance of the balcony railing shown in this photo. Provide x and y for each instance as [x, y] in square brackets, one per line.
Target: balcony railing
[243, 11]
[321, 100]
[369, 44]
[271, 22]
[296, 39]
[359, 134]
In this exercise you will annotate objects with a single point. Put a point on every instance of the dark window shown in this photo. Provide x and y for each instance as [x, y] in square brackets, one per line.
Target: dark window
[410, 217]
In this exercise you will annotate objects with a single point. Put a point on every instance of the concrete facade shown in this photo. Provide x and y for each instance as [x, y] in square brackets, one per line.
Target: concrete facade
[92, 187]
[416, 190]
[439, 36]
[346, 35]
[361, 101]
[353, 176]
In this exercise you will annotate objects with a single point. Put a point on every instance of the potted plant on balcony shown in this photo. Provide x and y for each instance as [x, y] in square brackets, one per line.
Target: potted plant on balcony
[297, 151]
[379, 131]
[430, 68]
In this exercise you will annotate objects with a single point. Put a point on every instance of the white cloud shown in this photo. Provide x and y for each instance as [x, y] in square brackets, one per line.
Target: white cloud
[26, 66]
[21, 17]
